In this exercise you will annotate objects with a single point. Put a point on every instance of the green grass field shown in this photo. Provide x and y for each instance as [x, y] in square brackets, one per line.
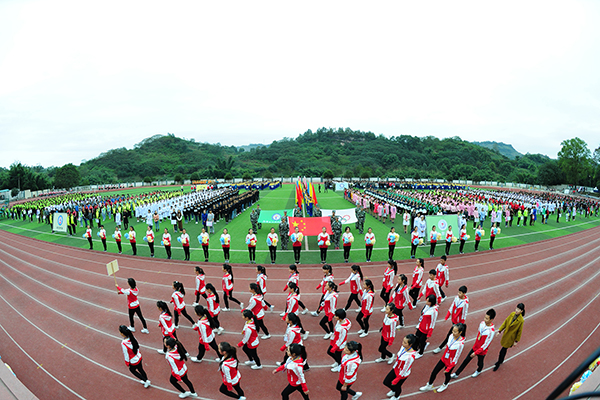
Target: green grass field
[281, 198]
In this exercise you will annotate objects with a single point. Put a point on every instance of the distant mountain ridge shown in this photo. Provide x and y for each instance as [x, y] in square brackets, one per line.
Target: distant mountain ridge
[505, 149]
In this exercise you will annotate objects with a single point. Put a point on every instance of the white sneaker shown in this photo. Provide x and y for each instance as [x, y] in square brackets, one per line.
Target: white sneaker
[335, 364]
[282, 314]
[426, 388]
[220, 330]
[442, 388]
[250, 362]
[426, 345]
[187, 354]
[361, 331]
[242, 398]
[357, 395]
[131, 328]
[278, 363]
[196, 360]
[265, 337]
[142, 382]
[160, 351]
[314, 314]
[304, 311]
[145, 330]
[176, 326]
[438, 350]
[391, 360]
[383, 309]
[241, 306]
[224, 309]
[336, 369]
[218, 359]
[358, 310]
[193, 395]
[379, 360]
[327, 336]
[475, 374]
[256, 367]
[418, 356]
[364, 334]
[453, 376]
[147, 384]
[194, 304]
[305, 336]
[443, 300]
[184, 395]
[391, 393]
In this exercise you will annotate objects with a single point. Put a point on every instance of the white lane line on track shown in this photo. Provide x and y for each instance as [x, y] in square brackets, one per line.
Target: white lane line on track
[40, 365]
[87, 358]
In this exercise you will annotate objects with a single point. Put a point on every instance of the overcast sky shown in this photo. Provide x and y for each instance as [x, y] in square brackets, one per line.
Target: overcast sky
[78, 78]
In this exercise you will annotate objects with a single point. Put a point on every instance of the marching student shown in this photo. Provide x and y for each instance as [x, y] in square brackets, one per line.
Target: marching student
[400, 299]
[328, 305]
[463, 238]
[227, 284]
[184, 239]
[323, 242]
[131, 236]
[388, 281]
[340, 336]
[230, 374]
[179, 303]
[176, 358]
[291, 303]
[478, 235]
[417, 281]
[347, 239]
[355, 279]
[457, 313]
[369, 242]
[293, 335]
[295, 278]
[200, 285]
[165, 322]
[88, 236]
[206, 336]
[426, 324]
[295, 374]
[392, 239]
[225, 243]
[251, 242]
[272, 243]
[212, 301]
[261, 280]
[166, 241]
[150, 239]
[449, 237]
[433, 238]
[204, 239]
[456, 343]
[431, 287]
[297, 244]
[442, 275]
[402, 367]
[388, 333]
[485, 334]
[133, 304]
[102, 235]
[327, 277]
[513, 325]
[366, 308]
[250, 342]
[414, 241]
[257, 306]
[349, 369]
[133, 357]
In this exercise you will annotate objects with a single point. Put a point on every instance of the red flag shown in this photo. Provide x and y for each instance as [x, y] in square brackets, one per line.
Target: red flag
[310, 226]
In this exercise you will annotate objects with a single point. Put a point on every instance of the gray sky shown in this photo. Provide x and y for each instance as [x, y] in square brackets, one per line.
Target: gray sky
[78, 78]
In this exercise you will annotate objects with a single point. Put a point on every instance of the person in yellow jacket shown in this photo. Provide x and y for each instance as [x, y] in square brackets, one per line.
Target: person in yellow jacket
[512, 328]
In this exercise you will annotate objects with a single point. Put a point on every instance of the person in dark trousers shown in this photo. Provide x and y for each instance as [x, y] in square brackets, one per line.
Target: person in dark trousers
[512, 328]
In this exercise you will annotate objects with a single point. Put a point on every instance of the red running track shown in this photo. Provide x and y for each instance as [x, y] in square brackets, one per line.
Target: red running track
[61, 314]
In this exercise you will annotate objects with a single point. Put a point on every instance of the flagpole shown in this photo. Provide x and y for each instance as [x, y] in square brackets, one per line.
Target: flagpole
[304, 216]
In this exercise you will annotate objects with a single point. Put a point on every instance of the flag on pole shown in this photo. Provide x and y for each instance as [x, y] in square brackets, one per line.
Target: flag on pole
[272, 216]
[310, 226]
[298, 193]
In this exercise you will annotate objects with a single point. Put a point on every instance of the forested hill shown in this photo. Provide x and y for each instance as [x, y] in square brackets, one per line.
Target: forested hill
[505, 149]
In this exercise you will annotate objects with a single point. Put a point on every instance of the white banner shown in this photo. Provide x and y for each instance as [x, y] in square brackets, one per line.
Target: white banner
[340, 186]
[59, 223]
[348, 215]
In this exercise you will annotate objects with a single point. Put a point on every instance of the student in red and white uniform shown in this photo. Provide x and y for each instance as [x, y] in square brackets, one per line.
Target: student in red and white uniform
[388, 333]
[327, 277]
[400, 299]
[225, 244]
[462, 238]
[261, 280]
[402, 367]
[257, 306]
[206, 337]
[426, 324]
[179, 303]
[185, 242]
[442, 275]
[150, 239]
[228, 287]
[458, 315]
[295, 278]
[388, 281]
[366, 308]
[478, 236]
[322, 240]
[431, 287]
[176, 358]
[212, 301]
[456, 343]
[417, 281]
[102, 235]
[131, 235]
[133, 304]
[295, 374]
[485, 334]
[200, 285]
[448, 239]
[117, 235]
[347, 240]
[297, 245]
[432, 241]
[369, 243]
[493, 232]
[88, 236]
[355, 279]
[414, 241]
[293, 335]
[165, 322]
[250, 342]
[166, 241]
[340, 336]
[204, 239]
[133, 357]
[291, 303]
[272, 243]
[328, 305]
[229, 372]
[349, 370]
[251, 242]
